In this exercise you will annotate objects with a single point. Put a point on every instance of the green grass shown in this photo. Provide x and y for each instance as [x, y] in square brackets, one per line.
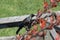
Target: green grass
[10, 31]
[19, 7]
[16, 8]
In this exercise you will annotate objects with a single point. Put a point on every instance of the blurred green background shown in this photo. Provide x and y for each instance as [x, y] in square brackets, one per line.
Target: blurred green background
[19, 7]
